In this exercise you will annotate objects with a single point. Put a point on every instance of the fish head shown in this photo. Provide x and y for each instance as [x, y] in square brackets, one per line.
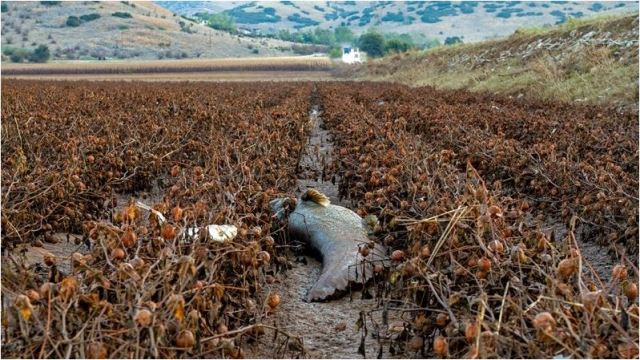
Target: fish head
[281, 207]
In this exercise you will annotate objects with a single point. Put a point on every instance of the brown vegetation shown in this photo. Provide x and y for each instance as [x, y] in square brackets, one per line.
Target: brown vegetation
[202, 154]
[173, 66]
[484, 202]
[592, 61]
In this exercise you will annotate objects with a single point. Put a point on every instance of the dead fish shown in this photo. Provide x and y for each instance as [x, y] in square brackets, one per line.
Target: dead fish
[337, 234]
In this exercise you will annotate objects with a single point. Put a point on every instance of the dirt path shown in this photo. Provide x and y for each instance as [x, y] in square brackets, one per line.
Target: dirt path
[328, 329]
[317, 156]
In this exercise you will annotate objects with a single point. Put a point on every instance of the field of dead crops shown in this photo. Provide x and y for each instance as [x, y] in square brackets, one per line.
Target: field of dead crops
[491, 209]
[297, 63]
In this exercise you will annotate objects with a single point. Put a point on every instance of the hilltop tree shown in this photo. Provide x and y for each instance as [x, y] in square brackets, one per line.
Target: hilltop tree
[452, 40]
[222, 21]
[323, 36]
[343, 35]
[372, 43]
[40, 54]
[396, 46]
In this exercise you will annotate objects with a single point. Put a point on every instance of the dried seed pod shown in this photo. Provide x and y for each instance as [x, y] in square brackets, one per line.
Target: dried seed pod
[592, 299]
[177, 213]
[378, 269]
[78, 260]
[628, 350]
[470, 332]
[168, 232]
[185, 339]
[397, 255]
[567, 267]
[273, 301]
[23, 304]
[619, 272]
[49, 259]
[176, 304]
[143, 318]
[198, 285]
[129, 238]
[96, 350]
[264, 257]
[460, 270]
[425, 252]
[46, 290]
[364, 251]
[218, 291]
[630, 291]
[117, 254]
[137, 263]
[175, 170]
[416, 343]
[440, 346]
[268, 241]
[33, 295]
[484, 264]
[495, 211]
[222, 329]
[409, 269]
[442, 320]
[544, 321]
[496, 246]
[597, 351]
[68, 288]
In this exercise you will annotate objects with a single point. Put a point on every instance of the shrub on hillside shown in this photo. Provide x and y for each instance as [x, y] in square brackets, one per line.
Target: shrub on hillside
[452, 40]
[89, 17]
[396, 46]
[40, 55]
[4, 7]
[393, 17]
[122, 14]
[302, 21]
[73, 21]
[19, 55]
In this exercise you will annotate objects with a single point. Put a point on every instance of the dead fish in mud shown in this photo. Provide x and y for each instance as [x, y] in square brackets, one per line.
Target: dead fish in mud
[337, 234]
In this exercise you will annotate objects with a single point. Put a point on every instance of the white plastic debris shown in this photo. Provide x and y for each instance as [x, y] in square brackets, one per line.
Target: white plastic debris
[217, 233]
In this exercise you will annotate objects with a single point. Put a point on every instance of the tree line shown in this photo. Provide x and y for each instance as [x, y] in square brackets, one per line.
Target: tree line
[373, 42]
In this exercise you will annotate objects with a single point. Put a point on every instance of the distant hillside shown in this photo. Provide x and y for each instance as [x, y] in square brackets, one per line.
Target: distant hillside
[90, 30]
[469, 20]
[590, 60]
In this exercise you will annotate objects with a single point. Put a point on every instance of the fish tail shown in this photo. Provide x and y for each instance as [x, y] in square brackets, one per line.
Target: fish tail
[316, 197]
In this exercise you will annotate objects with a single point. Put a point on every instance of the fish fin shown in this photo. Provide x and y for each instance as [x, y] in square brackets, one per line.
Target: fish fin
[316, 197]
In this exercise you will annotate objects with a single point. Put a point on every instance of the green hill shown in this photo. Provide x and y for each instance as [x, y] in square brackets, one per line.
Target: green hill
[91, 30]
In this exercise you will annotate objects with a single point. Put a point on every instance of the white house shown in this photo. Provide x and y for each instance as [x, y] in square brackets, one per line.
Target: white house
[351, 55]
